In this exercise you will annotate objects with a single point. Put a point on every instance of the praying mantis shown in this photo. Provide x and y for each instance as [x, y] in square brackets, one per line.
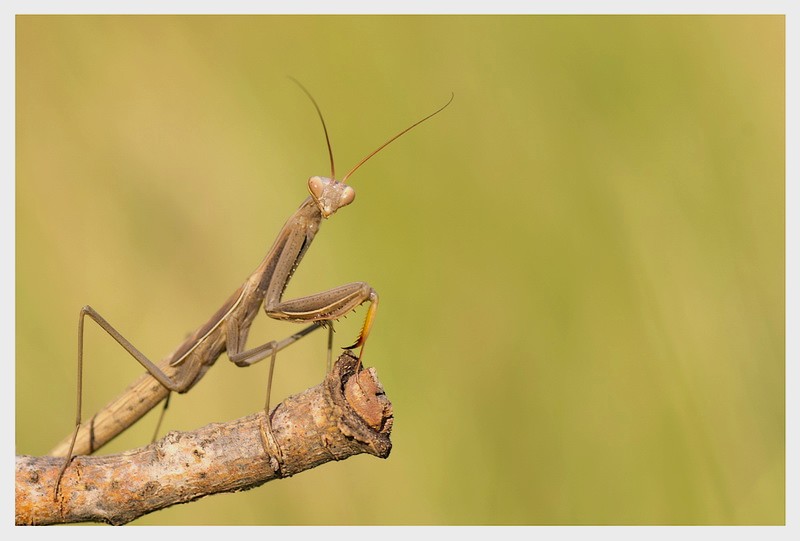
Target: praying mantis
[227, 330]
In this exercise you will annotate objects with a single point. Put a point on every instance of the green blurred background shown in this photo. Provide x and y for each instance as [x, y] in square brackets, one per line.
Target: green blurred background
[580, 262]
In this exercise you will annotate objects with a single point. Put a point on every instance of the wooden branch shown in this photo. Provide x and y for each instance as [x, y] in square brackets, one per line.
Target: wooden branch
[341, 417]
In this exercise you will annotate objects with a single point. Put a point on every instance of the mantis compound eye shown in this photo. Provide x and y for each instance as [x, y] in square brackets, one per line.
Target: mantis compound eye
[316, 185]
[347, 197]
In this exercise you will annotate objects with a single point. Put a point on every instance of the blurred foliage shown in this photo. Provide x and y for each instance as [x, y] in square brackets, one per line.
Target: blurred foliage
[580, 262]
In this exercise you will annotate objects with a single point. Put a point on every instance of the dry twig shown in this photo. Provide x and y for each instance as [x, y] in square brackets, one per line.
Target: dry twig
[341, 417]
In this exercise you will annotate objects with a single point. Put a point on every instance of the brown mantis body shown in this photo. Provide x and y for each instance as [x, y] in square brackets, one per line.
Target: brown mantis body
[227, 330]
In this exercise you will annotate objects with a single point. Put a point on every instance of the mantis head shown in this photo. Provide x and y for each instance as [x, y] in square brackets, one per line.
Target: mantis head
[329, 194]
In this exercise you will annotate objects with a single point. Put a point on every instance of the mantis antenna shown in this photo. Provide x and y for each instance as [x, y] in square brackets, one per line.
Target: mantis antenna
[371, 154]
[324, 128]
[414, 125]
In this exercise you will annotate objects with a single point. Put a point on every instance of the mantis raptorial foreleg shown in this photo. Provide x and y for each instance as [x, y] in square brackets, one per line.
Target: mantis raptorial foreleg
[228, 328]
[321, 307]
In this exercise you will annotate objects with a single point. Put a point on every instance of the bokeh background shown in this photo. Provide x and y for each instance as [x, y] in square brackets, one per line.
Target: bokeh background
[580, 262]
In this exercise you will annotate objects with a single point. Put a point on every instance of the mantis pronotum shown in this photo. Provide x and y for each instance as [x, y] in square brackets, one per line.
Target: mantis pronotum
[228, 328]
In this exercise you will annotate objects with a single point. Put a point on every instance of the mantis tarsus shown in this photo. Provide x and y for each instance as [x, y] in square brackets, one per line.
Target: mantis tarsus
[228, 328]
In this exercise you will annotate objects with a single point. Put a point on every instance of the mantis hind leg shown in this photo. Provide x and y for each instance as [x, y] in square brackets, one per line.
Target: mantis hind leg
[171, 384]
[161, 417]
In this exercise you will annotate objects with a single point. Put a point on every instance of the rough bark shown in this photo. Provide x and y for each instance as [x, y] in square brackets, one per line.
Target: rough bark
[341, 417]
